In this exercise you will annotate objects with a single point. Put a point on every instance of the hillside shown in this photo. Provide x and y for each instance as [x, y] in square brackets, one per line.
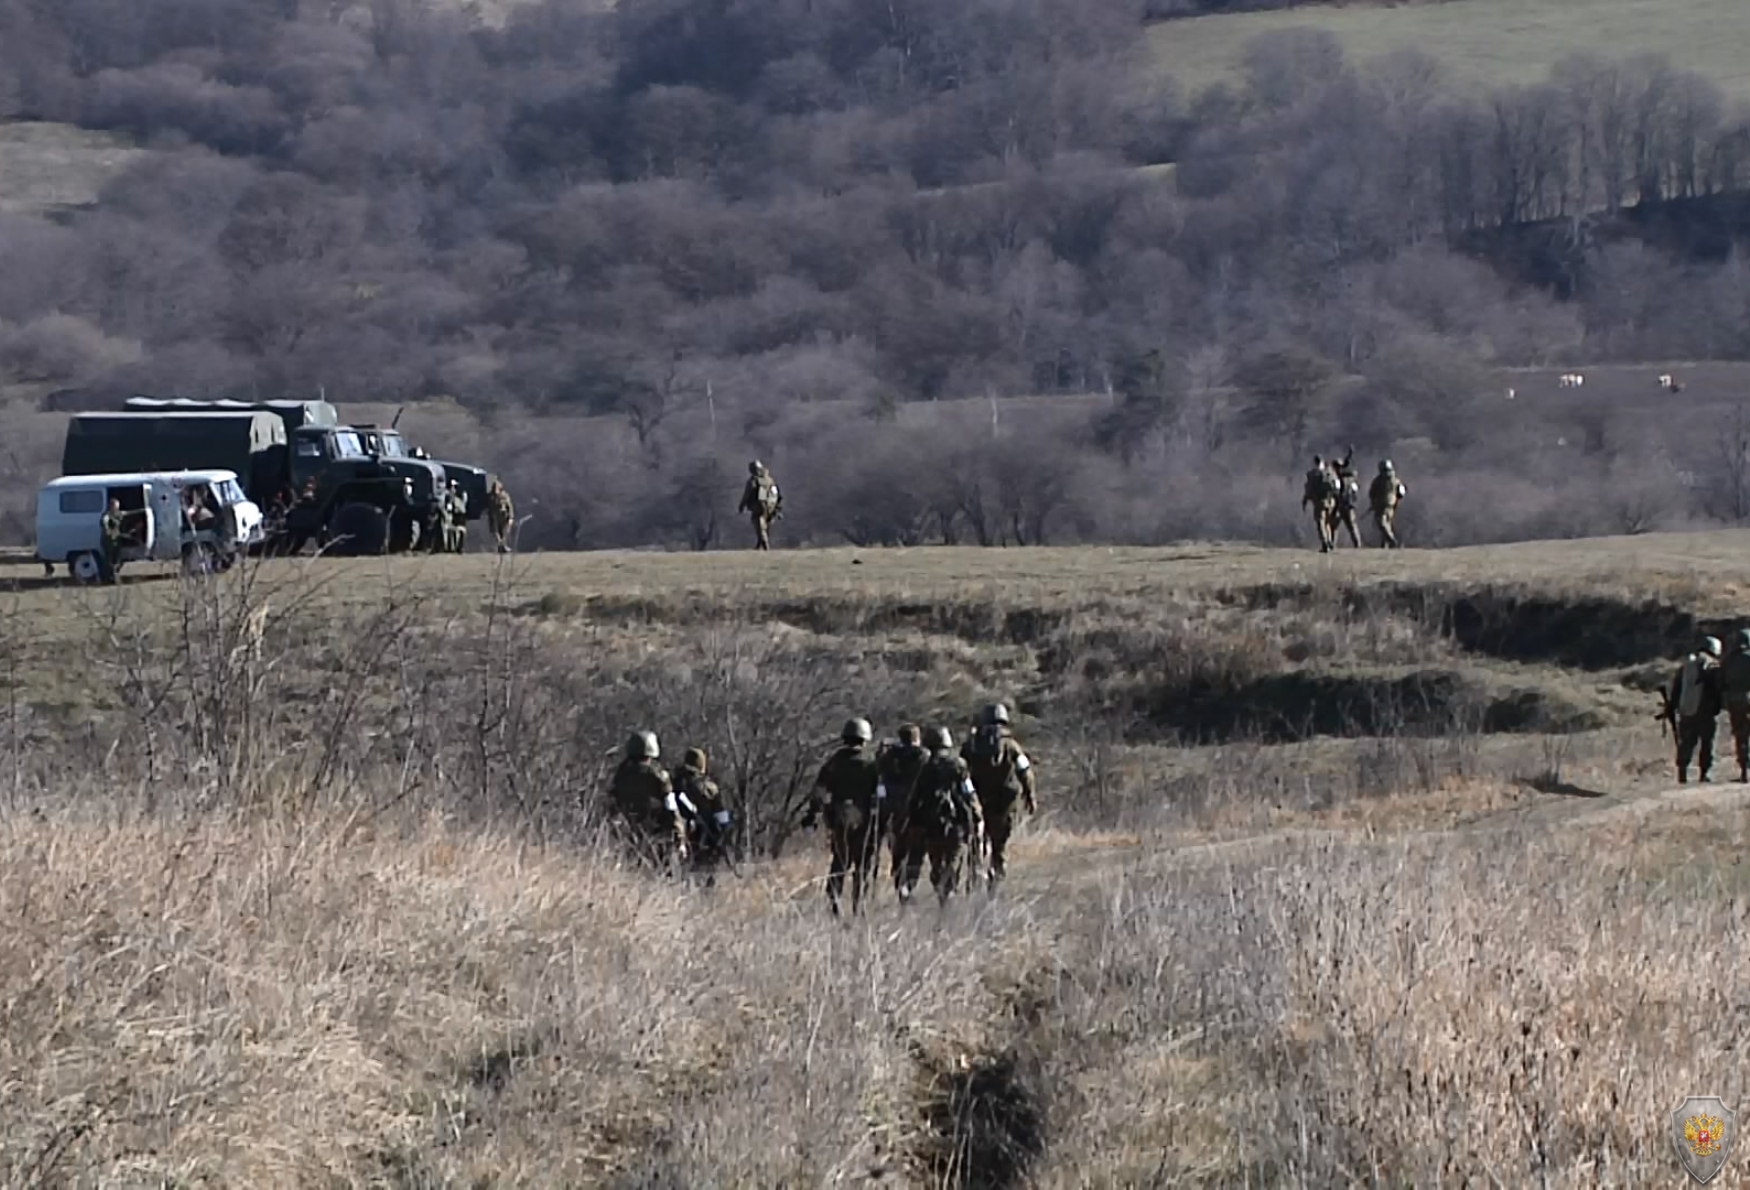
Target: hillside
[333, 912]
[1479, 43]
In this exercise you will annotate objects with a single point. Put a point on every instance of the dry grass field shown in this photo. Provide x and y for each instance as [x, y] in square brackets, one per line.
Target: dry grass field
[1492, 43]
[1360, 868]
[49, 167]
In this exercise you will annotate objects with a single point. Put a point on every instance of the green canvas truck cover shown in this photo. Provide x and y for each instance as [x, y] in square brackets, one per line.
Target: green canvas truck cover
[173, 441]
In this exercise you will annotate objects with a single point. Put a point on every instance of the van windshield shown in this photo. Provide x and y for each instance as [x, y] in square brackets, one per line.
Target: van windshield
[228, 492]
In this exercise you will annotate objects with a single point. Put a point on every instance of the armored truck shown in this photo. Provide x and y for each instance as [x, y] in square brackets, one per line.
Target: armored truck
[317, 483]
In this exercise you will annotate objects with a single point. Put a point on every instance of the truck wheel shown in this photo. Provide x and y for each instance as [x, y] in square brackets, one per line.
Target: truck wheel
[357, 529]
[86, 568]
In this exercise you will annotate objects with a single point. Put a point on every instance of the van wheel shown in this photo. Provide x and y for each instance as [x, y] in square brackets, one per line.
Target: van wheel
[357, 529]
[86, 568]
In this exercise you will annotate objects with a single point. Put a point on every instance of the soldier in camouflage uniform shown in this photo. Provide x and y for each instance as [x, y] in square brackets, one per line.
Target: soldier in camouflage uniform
[899, 763]
[1694, 697]
[1002, 774]
[1320, 493]
[707, 816]
[761, 500]
[110, 526]
[1735, 693]
[644, 806]
[846, 790]
[942, 817]
[500, 515]
[1348, 498]
[1383, 497]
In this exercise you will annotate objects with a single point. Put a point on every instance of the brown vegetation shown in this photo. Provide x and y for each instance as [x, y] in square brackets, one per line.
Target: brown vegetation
[638, 244]
[331, 909]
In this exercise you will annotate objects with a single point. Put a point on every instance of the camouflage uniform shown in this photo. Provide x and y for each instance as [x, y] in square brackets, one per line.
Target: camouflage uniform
[899, 763]
[1348, 497]
[500, 514]
[847, 790]
[707, 816]
[110, 527]
[1735, 693]
[1694, 695]
[1320, 493]
[1002, 774]
[762, 501]
[941, 817]
[1383, 497]
[644, 804]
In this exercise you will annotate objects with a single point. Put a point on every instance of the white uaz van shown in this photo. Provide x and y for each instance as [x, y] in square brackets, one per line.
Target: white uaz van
[201, 518]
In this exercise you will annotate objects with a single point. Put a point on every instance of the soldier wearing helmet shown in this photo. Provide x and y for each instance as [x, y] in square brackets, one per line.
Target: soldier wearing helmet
[1735, 694]
[1384, 495]
[761, 500]
[1693, 702]
[644, 804]
[1320, 494]
[846, 789]
[707, 816]
[1003, 774]
[1348, 497]
[899, 762]
[942, 818]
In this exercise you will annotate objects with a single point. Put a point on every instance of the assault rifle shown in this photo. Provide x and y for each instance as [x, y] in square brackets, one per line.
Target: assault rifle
[1667, 716]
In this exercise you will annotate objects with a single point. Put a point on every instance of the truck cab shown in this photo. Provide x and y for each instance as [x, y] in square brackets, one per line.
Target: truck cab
[471, 481]
[200, 518]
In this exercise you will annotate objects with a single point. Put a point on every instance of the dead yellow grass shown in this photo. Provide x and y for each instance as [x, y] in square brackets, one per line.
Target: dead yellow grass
[249, 1001]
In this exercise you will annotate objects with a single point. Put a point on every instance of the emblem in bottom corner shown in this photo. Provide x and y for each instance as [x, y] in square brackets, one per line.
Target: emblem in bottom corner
[1703, 1129]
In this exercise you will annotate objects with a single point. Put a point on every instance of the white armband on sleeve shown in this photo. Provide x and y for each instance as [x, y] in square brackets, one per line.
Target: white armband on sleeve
[686, 803]
[881, 792]
[723, 818]
[669, 803]
[966, 786]
[1022, 764]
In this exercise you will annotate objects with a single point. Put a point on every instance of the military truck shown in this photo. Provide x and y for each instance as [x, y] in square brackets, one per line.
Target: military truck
[316, 482]
[385, 441]
[472, 481]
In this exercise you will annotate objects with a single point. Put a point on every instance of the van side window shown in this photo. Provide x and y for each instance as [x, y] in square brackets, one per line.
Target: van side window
[81, 500]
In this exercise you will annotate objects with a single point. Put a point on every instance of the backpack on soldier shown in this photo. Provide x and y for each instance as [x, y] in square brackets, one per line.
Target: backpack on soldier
[939, 801]
[768, 496]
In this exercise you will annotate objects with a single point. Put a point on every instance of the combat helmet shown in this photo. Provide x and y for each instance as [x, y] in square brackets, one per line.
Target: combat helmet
[857, 731]
[941, 739]
[994, 713]
[1744, 640]
[694, 758]
[1710, 645]
[755, 467]
[1385, 467]
[643, 746]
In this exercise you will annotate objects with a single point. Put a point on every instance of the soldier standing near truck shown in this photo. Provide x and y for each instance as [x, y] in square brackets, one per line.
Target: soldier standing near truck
[500, 514]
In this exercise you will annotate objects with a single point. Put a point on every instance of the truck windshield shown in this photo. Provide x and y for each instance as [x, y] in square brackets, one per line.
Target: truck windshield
[346, 442]
[393, 447]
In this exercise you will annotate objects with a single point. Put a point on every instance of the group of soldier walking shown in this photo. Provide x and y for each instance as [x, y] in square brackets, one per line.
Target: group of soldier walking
[1706, 683]
[917, 798]
[1334, 494]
